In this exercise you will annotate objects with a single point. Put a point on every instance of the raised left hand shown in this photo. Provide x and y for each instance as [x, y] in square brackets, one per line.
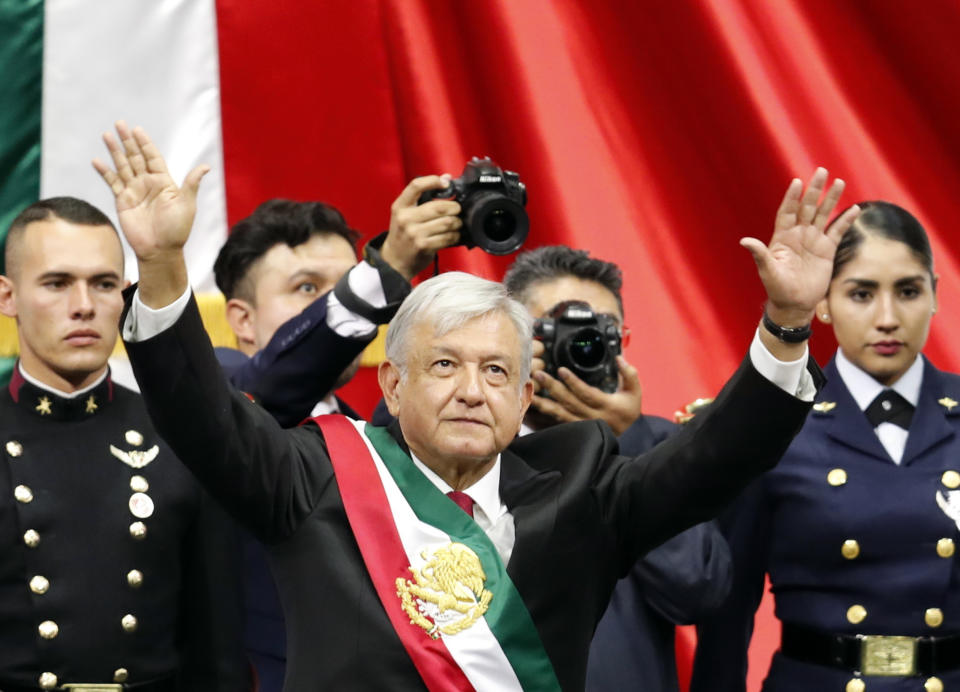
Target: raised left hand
[796, 266]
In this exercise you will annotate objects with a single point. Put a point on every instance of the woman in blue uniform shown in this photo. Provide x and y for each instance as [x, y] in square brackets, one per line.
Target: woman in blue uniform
[857, 526]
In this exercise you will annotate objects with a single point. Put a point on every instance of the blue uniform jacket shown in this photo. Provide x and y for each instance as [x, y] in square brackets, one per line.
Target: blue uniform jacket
[838, 524]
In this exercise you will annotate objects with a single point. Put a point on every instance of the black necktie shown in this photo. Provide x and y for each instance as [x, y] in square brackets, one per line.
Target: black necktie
[890, 407]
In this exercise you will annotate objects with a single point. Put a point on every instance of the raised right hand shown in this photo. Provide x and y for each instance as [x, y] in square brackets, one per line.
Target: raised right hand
[417, 232]
[155, 215]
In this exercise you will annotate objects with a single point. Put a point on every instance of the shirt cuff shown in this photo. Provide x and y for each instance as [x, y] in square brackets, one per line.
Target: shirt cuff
[792, 377]
[364, 282]
[143, 323]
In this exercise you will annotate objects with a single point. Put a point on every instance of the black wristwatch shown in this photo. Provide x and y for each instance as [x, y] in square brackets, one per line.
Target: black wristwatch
[788, 335]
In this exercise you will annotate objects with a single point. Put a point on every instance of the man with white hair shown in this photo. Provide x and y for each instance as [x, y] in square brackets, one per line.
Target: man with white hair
[386, 582]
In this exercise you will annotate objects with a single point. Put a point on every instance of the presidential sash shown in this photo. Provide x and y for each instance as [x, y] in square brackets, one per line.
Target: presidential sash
[441, 581]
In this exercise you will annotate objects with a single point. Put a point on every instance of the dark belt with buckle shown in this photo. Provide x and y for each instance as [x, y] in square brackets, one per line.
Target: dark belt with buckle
[167, 684]
[870, 654]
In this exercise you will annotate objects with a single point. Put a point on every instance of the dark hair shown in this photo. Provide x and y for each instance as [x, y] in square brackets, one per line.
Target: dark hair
[556, 261]
[69, 209]
[886, 220]
[274, 222]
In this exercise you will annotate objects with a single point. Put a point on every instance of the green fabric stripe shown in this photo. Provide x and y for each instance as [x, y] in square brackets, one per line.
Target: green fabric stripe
[507, 615]
[21, 74]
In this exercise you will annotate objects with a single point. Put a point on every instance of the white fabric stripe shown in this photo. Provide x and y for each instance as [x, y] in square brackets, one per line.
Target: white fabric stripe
[150, 63]
[475, 649]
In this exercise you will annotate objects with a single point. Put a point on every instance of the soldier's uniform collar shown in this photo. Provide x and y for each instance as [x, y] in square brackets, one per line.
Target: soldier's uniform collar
[47, 403]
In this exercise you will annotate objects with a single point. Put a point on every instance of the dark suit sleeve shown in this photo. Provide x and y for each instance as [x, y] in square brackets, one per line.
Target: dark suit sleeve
[693, 475]
[688, 576]
[723, 639]
[304, 358]
[212, 658]
[268, 478]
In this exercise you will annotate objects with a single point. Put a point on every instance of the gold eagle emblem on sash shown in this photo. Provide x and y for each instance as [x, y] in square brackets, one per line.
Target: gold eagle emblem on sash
[135, 458]
[447, 594]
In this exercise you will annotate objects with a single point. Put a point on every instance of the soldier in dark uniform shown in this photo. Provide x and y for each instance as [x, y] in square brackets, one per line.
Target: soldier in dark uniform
[857, 526]
[117, 571]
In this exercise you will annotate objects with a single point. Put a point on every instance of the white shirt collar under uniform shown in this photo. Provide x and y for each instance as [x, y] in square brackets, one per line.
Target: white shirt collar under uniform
[865, 389]
[66, 395]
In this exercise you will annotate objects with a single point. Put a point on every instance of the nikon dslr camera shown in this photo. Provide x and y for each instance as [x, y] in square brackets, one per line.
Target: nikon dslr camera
[491, 201]
[576, 337]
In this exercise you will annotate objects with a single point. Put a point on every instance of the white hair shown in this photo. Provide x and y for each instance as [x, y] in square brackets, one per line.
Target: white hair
[448, 302]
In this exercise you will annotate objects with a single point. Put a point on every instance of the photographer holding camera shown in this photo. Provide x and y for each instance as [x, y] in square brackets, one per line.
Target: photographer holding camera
[581, 375]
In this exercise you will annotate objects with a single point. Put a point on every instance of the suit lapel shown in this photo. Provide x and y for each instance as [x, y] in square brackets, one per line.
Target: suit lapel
[530, 497]
[844, 421]
[931, 422]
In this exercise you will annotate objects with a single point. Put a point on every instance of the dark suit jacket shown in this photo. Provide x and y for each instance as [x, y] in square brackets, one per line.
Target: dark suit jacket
[583, 514]
[676, 583]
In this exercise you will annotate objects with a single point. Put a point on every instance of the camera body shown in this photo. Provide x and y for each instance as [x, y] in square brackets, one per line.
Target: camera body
[576, 337]
[492, 204]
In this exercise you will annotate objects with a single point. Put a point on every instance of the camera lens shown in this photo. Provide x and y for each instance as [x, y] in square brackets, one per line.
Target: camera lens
[499, 225]
[586, 349]
[495, 223]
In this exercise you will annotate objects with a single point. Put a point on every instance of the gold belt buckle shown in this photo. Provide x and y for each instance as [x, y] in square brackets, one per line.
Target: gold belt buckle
[92, 687]
[882, 655]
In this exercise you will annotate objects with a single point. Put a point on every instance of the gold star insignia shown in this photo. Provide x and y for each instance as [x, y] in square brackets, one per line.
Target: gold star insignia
[92, 404]
[947, 403]
[43, 406]
[824, 406]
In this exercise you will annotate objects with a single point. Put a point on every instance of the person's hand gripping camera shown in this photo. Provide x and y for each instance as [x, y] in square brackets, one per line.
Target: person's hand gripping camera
[579, 369]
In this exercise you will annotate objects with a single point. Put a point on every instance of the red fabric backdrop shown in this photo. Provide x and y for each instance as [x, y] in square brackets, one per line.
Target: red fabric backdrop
[653, 133]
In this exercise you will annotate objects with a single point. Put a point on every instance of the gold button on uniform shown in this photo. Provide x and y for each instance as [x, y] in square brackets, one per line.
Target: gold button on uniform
[856, 614]
[129, 623]
[138, 484]
[856, 685]
[23, 494]
[133, 438]
[31, 538]
[850, 549]
[48, 629]
[933, 685]
[837, 477]
[945, 547]
[39, 584]
[47, 681]
[120, 675]
[951, 479]
[14, 448]
[138, 530]
[933, 617]
[135, 578]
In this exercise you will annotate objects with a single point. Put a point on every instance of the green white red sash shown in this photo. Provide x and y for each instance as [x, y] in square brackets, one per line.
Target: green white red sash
[440, 579]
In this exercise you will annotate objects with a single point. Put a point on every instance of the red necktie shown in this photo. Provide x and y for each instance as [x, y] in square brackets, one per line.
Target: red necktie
[464, 501]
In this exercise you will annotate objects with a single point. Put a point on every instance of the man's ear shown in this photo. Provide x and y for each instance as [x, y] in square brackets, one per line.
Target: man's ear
[526, 396]
[8, 302]
[242, 318]
[388, 375]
